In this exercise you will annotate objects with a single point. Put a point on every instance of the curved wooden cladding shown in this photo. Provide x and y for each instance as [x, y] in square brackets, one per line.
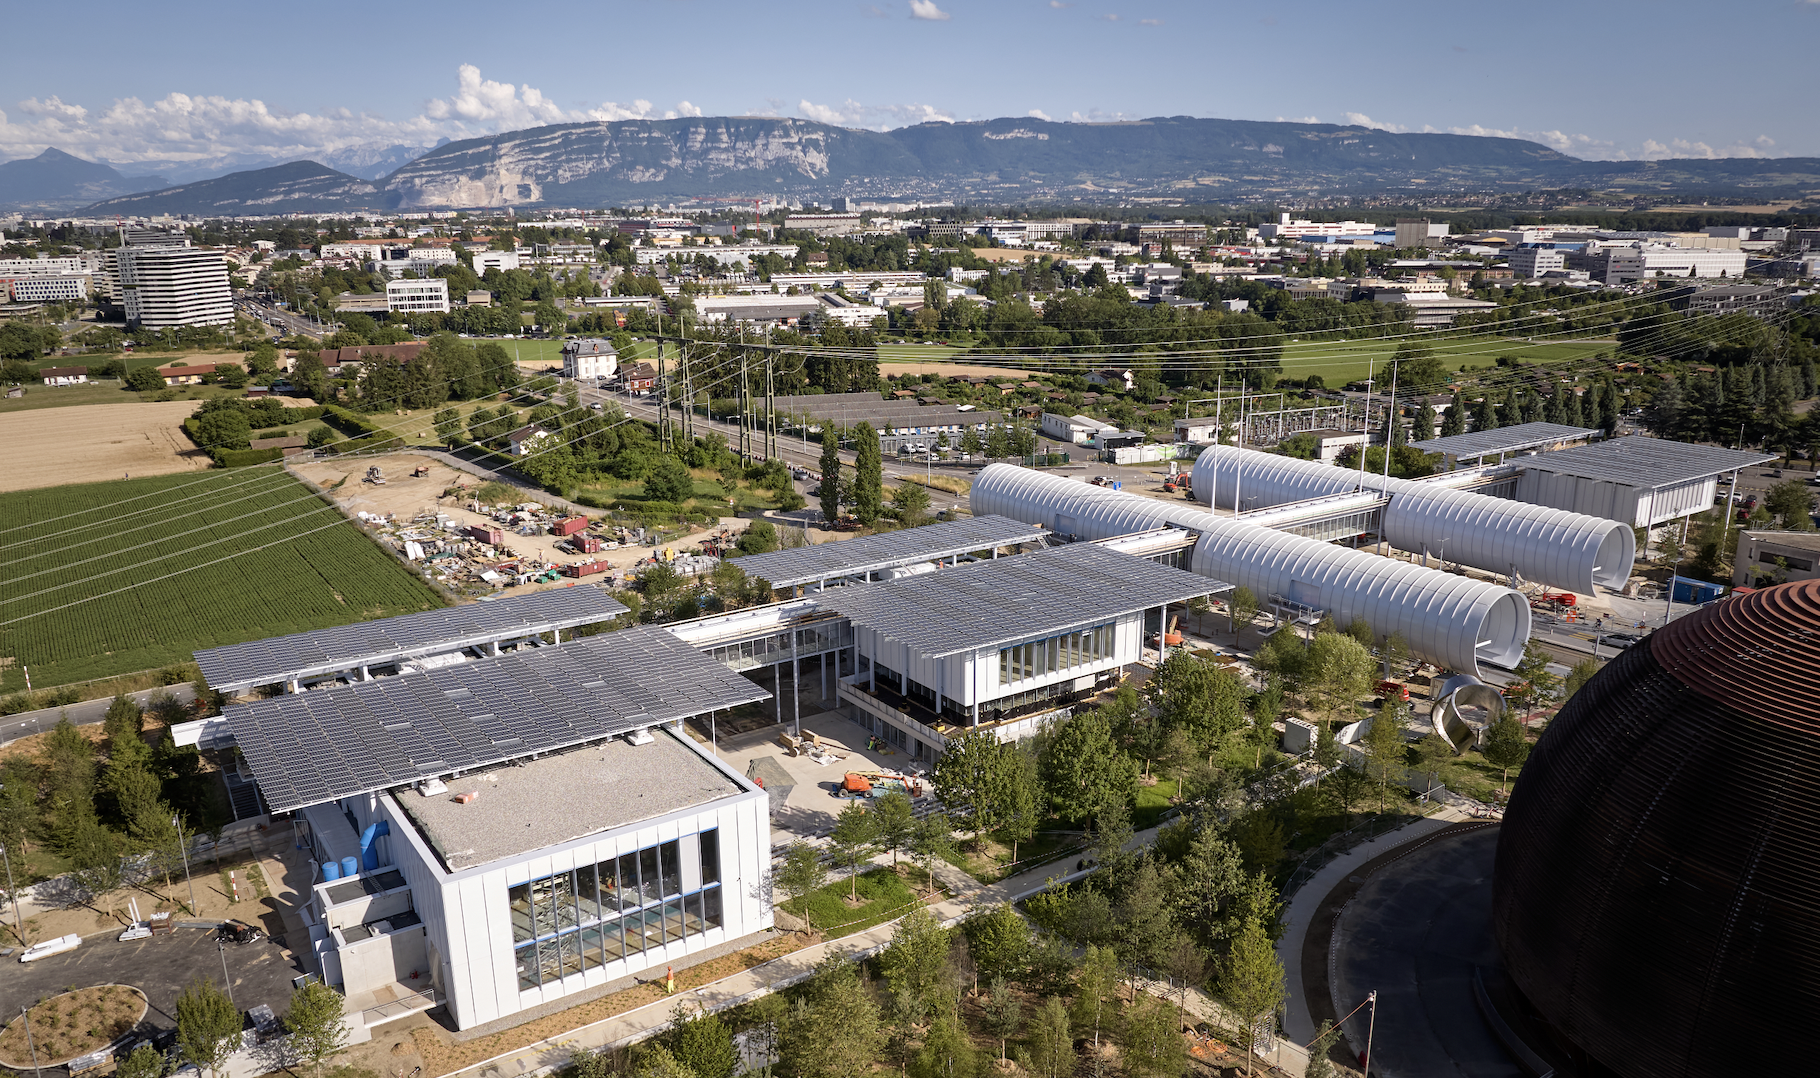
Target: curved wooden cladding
[1657, 887]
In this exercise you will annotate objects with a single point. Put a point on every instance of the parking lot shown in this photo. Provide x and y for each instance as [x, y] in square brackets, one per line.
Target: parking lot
[161, 967]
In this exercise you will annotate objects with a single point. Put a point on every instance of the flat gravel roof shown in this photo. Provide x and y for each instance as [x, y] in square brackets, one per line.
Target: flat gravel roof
[532, 804]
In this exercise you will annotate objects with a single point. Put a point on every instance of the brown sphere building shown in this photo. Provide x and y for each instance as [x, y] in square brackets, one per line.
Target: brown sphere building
[1657, 890]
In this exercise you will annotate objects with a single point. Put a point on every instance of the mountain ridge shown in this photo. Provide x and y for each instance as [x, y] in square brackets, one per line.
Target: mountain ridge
[58, 180]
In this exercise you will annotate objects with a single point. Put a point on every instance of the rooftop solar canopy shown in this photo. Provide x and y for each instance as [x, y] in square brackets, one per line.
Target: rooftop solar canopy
[849, 557]
[995, 602]
[311, 747]
[371, 643]
[1505, 439]
[1644, 462]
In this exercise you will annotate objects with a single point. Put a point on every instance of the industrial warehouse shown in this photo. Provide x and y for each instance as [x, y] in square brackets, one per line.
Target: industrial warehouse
[421, 754]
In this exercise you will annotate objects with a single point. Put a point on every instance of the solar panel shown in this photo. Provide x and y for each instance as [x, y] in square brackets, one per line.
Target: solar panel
[307, 748]
[320, 651]
[1504, 439]
[850, 557]
[1644, 462]
[992, 602]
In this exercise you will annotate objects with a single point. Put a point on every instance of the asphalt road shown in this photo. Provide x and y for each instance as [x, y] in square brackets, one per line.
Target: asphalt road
[26, 723]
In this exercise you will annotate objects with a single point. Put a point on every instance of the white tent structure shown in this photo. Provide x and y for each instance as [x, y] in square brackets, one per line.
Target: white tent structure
[1553, 547]
[1448, 620]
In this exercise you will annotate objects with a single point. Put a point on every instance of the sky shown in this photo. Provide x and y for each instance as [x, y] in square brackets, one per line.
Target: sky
[193, 81]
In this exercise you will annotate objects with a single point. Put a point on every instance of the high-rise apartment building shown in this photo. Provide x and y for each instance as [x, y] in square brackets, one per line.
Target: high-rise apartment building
[164, 287]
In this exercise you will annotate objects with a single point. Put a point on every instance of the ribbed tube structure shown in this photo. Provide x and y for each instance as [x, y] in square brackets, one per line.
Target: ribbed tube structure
[1548, 546]
[1449, 620]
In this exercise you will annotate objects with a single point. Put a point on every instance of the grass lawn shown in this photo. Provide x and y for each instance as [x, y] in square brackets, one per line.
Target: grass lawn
[107, 392]
[710, 489]
[1339, 362]
[884, 894]
[110, 578]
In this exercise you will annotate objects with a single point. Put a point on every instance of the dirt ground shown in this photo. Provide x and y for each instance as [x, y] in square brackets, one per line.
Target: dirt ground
[94, 442]
[888, 365]
[404, 497]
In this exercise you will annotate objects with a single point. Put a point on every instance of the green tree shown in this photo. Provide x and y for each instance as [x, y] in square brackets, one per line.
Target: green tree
[1242, 606]
[932, 840]
[701, 1043]
[655, 1061]
[1577, 678]
[1083, 771]
[894, 815]
[868, 475]
[1536, 685]
[123, 721]
[801, 873]
[912, 504]
[1096, 992]
[1152, 1044]
[1506, 746]
[1251, 982]
[1320, 1064]
[316, 1025]
[855, 832]
[1193, 694]
[1385, 743]
[669, 481]
[1454, 421]
[970, 777]
[145, 1062]
[833, 1032]
[448, 426]
[1004, 1013]
[1340, 670]
[998, 939]
[1792, 503]
[223, 428]
[208, 1026]
[912, 962]
[1052, 1041]
[830, 466]
[144, 379]
[947, 1052]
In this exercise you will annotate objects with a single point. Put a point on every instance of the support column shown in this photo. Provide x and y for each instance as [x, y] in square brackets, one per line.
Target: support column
[824, 664]
[713, 734]
[365, 674]
[796, 685]
[556, 636]
[777, 688]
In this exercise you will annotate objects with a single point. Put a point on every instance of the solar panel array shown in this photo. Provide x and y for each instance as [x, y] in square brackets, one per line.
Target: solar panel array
[308, 748]
[281, 658]
[846, 557]
[995, 602]
[1644, 462]
[1504, 439]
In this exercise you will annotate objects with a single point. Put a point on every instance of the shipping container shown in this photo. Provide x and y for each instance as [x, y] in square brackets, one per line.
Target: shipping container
[585, 568]
[588, 544]
[490, 536]
[569, 526]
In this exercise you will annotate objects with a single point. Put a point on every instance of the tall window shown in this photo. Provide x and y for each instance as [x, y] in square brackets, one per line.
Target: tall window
[1072, 649]
[571, 922]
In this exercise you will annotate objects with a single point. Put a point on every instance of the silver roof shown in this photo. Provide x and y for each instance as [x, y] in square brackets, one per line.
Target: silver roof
[1505, 439]
[1644, 462]
[872, 553]
[386, 640]
[995, 602]
[307, 748]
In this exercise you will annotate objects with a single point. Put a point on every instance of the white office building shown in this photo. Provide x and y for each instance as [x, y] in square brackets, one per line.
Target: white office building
[168, 286]
[499, 260]
[418, 296]
[1285, 229]
[1533, 260]
[58, 289]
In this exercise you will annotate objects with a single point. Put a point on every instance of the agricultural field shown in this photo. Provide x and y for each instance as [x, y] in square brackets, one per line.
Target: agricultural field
[88, 443]
[109, 578]
[1339, 362]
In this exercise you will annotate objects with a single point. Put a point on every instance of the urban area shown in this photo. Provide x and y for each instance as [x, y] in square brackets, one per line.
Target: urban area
[779, 636]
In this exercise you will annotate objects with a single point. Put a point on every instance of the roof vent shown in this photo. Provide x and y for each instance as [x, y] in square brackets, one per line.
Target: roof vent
[640, 736]
[432, 787]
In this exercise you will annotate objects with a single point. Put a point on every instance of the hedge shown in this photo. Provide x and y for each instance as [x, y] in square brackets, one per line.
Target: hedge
[240, 458]
[362, 432]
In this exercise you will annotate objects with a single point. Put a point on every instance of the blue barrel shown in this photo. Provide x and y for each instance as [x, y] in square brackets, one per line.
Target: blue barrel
[350, 867]
[330, 871]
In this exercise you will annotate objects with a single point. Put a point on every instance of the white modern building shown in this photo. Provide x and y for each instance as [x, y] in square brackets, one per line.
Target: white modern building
[1533, 260]
[418, 296]
[1285, 229]
[589, 360]
[510, 823]
[1626, 263]
[167, 286]
[1075, 429]
[48, 289]
[499, 260]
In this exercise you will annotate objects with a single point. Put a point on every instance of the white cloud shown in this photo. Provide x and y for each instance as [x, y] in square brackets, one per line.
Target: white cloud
[1298, 119]
[1109, 17]
[1588, 147]
[851, 113]
[1059, 5]
[1041, 115]
[1159, 22]
[181, 129]
[926, 9]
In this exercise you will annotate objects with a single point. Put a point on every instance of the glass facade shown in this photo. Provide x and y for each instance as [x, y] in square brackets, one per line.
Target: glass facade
[811, 640]
[1081, 647]
[566, 924]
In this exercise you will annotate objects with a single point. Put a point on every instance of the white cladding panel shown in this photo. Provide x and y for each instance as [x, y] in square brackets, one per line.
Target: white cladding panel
[1552, 546]
[1443, 617]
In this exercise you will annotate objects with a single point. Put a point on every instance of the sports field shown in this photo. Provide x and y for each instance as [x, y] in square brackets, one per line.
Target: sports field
[110, 578]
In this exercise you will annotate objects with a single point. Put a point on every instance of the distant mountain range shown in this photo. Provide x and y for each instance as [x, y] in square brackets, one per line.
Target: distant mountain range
[55, 180]
[1179, 158]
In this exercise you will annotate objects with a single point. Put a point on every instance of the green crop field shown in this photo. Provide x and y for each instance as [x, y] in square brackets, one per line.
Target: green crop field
[109, 578]
[1339, 362]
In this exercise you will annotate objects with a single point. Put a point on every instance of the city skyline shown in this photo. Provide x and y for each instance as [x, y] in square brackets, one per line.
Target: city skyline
[402, 83]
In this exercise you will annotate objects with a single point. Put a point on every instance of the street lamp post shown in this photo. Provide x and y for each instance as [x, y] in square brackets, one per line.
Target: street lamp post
[18, 918]
[221, 946]
[29, 1043]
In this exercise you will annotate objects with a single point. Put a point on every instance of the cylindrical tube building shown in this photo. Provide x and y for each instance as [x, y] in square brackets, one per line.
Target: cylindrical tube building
[1547, 546]
[1446, 619]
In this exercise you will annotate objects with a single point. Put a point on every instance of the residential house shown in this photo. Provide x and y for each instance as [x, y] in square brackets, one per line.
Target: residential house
[527, 440]
[1116, 377]
[639, 378]
[63, 376]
